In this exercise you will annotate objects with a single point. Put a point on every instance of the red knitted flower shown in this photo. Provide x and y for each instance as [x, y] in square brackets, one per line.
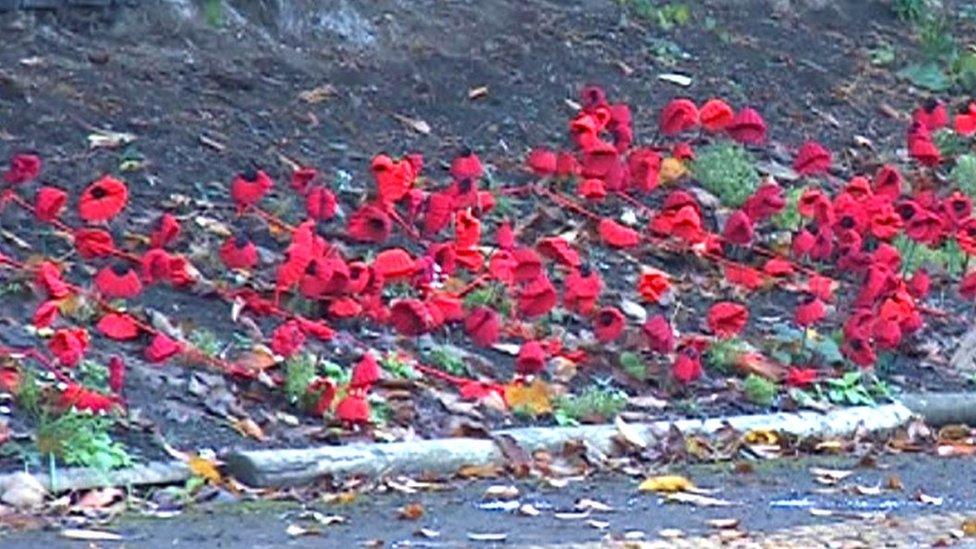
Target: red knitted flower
[102, 200]
[118, 280]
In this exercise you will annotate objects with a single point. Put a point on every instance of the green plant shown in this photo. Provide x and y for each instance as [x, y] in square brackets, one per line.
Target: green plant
[949, 143]
[910, 11]
[398, 365]
[299, 373]
[213, 12]
[93, 375]
[450, 361]
[206, 341]
[759, 390]
[848, 389]
[666, 16]
[633, 364]
[963, 174]
[722, 355]
[81, 438]
[882, 55]
[948, 257]
[599, 402]
[789, 219]
[726, 170]
[788, 344]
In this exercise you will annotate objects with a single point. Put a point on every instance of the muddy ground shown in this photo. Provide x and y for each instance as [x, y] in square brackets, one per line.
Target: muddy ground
[207, 97]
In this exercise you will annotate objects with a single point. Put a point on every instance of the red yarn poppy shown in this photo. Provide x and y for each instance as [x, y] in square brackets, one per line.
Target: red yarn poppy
[395, 264]
[483, 326]
[887, 334]
[715, 115]
[644, 165]
[238, 252]
[118, 326]
[467, 230]
[93, 243]
[747, 127]
[859, 351]
[738, 229]
[48, 203]
[393, 178]
[921, 148]
[302, 178]
[365, 373]
[616, 235]
[778, 267]
[887, 256]
[658, 334]
[505, 236]
[608, 324]
[966, 236]
[23, 168]
[527, 266]
[679, 115]
[353, 409]
[320, 203]
[249, 187]
[932, 114]
[885, 223]
[537, 297]
[767, 201]
[567, 165]
[46, 313]
[48, 277]
[582, 289]
[925, 227]
[558, 249]
[531, 359]
[810, 311]
[965, 121]
[687, 366]
[323, 390]
[814, 203]
[345, 307]
[821, 286]
[653, 285]
[802, 244]
[501, 266]
[727, 319]
[542, 162]
[369, 224]
[683, 151]
[592, 189]
[161, 348]
[743, 276]
[445, 308]
[967, 286]
[599, 160]
[79, 397]
[800, 377]
[102, 200]
[118, 281]
[467, 165]
[919, 284]
[410, 317]
[68, 345]
[888, 182]
[287, 338]
[116, 374]
[812, 158]
[167, 230]
[956, 207]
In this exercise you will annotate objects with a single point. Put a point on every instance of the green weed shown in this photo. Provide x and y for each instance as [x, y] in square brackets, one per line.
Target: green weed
[600, 402]
[726, 170]
[759, 390]
[82, 439]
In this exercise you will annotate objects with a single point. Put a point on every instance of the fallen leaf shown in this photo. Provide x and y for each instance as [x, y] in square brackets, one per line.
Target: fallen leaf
[565, 515]
[666, 483]
[479, 471]
[90, 535]
[258, 359]
[501, 492]
[22, 490]
[722, 524]
[672, 170]
[105, 139]
[415, 124]
[340, 498]
[677, 79]
[214, 226]
[696, 499]
[487, 536]
[587, 504]
[929, 500]
[969, 527]
[598, 524]
[475, 93]
[761, 436]
[630, 433]
[427, 533]
[671, 533]
[831, 475]
[318, 94]
[410, 511]
[205, 468]
[817, 512]
[535, 398]
[868, 490]
[249, 428]
[323, 519]
[100, 498]
[529, 510]
[894, 483]
[624, 68]
[519, 461]
[295, 531]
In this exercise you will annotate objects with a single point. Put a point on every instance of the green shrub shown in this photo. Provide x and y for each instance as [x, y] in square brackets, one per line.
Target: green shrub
[600, 403]
[963, 174]
[81, 438]
[726, 170]
[759, 390]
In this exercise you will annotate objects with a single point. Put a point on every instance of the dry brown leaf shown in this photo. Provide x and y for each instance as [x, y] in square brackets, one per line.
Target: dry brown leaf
[630, 433]
[100, 498]
[587, 504]
[318, 94]
[499, 491]
[529, 510]
[672, 170]
[761, 436]
[475, 93]
[969, 527]
[479, 471]
[894, 483]
[414, 124]
[258, 359]
[340, 498]
[535, 399]
[929, 500]
[724, 523]
[249, 428]
[410, 511]
[829, 476]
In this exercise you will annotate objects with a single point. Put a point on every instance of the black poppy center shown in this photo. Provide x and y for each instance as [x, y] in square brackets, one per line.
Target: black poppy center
[847, 222]
[930, 105]
[857, 345]
[585, 269]
[465, 152]
[606, 318]
[241, 239]
[99, 193]
[312, 269]
[120, 269]
[376, 224]
[906, 211]
[958, 205]
[465, 185]
[249, 175]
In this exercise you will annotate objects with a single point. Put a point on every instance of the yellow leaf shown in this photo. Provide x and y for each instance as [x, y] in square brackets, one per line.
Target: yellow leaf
[340, 498]
[672, 170]
[666, 483]
[762, 436]
[248, 427]
[536, 399]
[204, 468]
[969, 527]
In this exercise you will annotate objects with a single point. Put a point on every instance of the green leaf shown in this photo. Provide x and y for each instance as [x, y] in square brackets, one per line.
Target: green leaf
[926, 75]
[632, 364]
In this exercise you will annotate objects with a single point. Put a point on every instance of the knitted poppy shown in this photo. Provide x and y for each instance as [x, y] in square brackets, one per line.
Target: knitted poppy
[885, 223]
[592, 189]
[542, 162]
[966, 236]
[932, 114]
[592, 96]
[23, 168]
[967, 286]
[809, 311]
[887, 256]
[102, 200]
[353, 409]
[859, 188]
[531, 359]
[859, 351]
[118, 326]
[410, 317]
[161, 348]
[287, 338]
[679, 115]
[767, 201]
[395, 264]
[320, 203]
[116, 374]
[537, 297]
[800, 377]
[616, 235]
[608, 324]
[323, 391]
[118, 280]
[46, 313]
[743, 276]
[738, 229]
[653, 285]
[167, 230]
[644, 165]
[887, 182]
[567, 165]
[599, 159]
[558, 249]
[921, 147]
[528, 265]
[501, 266]
[48, 277]
[925, 227]
[811, 159]
[467, 165]
[582, 289]
[715, 115]
[957, 207]
[365, 373]
[687, 366]
[965, 122]
[483, 326]
[887, 334]
[727, 319]
[238, 252]
[48, 203]
[747, 127]
[467, 229]
[821, 286]
[369, 224]
[778, 267]
[345, 307]
[68, 345]
[79, 397]
[93, 243]
[658, 334]
[302, 178]
[393, 178]
[249, 187]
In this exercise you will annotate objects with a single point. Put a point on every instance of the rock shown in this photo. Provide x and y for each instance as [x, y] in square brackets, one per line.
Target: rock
[22, 490]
